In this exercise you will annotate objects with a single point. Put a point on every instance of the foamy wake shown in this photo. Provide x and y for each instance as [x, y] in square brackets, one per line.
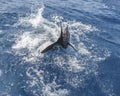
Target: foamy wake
[49, 89]
[29, 45]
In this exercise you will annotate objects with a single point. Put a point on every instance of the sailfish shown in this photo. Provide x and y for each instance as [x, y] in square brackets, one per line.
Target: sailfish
[63, 41]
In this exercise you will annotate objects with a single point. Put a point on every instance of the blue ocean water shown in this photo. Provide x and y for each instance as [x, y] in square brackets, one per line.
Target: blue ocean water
[28, 26]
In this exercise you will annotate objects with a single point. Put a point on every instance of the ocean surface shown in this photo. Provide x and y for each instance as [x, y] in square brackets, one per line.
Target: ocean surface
[28, 26]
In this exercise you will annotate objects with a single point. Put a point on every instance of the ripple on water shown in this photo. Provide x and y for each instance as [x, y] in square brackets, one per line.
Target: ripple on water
[1, 72]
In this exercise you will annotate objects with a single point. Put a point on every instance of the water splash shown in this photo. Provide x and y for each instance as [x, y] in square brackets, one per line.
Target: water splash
[30, 43]
[37, 18]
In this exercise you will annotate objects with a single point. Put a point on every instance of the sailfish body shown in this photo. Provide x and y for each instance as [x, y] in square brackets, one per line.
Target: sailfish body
[63, 40]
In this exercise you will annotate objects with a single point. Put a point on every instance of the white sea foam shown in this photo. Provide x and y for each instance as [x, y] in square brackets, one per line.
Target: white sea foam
[50, 89]
[0, 31]
[48, 32]
[83, 49]
[37, 18]
[1, 72]
[26, 40]
[30, 44]
[107, 87]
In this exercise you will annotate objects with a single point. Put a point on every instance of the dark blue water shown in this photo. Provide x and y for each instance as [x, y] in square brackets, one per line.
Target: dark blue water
[28, 26]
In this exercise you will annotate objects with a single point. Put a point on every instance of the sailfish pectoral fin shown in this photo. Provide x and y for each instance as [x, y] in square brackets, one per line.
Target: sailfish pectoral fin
[49, 47]
[73, 47]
